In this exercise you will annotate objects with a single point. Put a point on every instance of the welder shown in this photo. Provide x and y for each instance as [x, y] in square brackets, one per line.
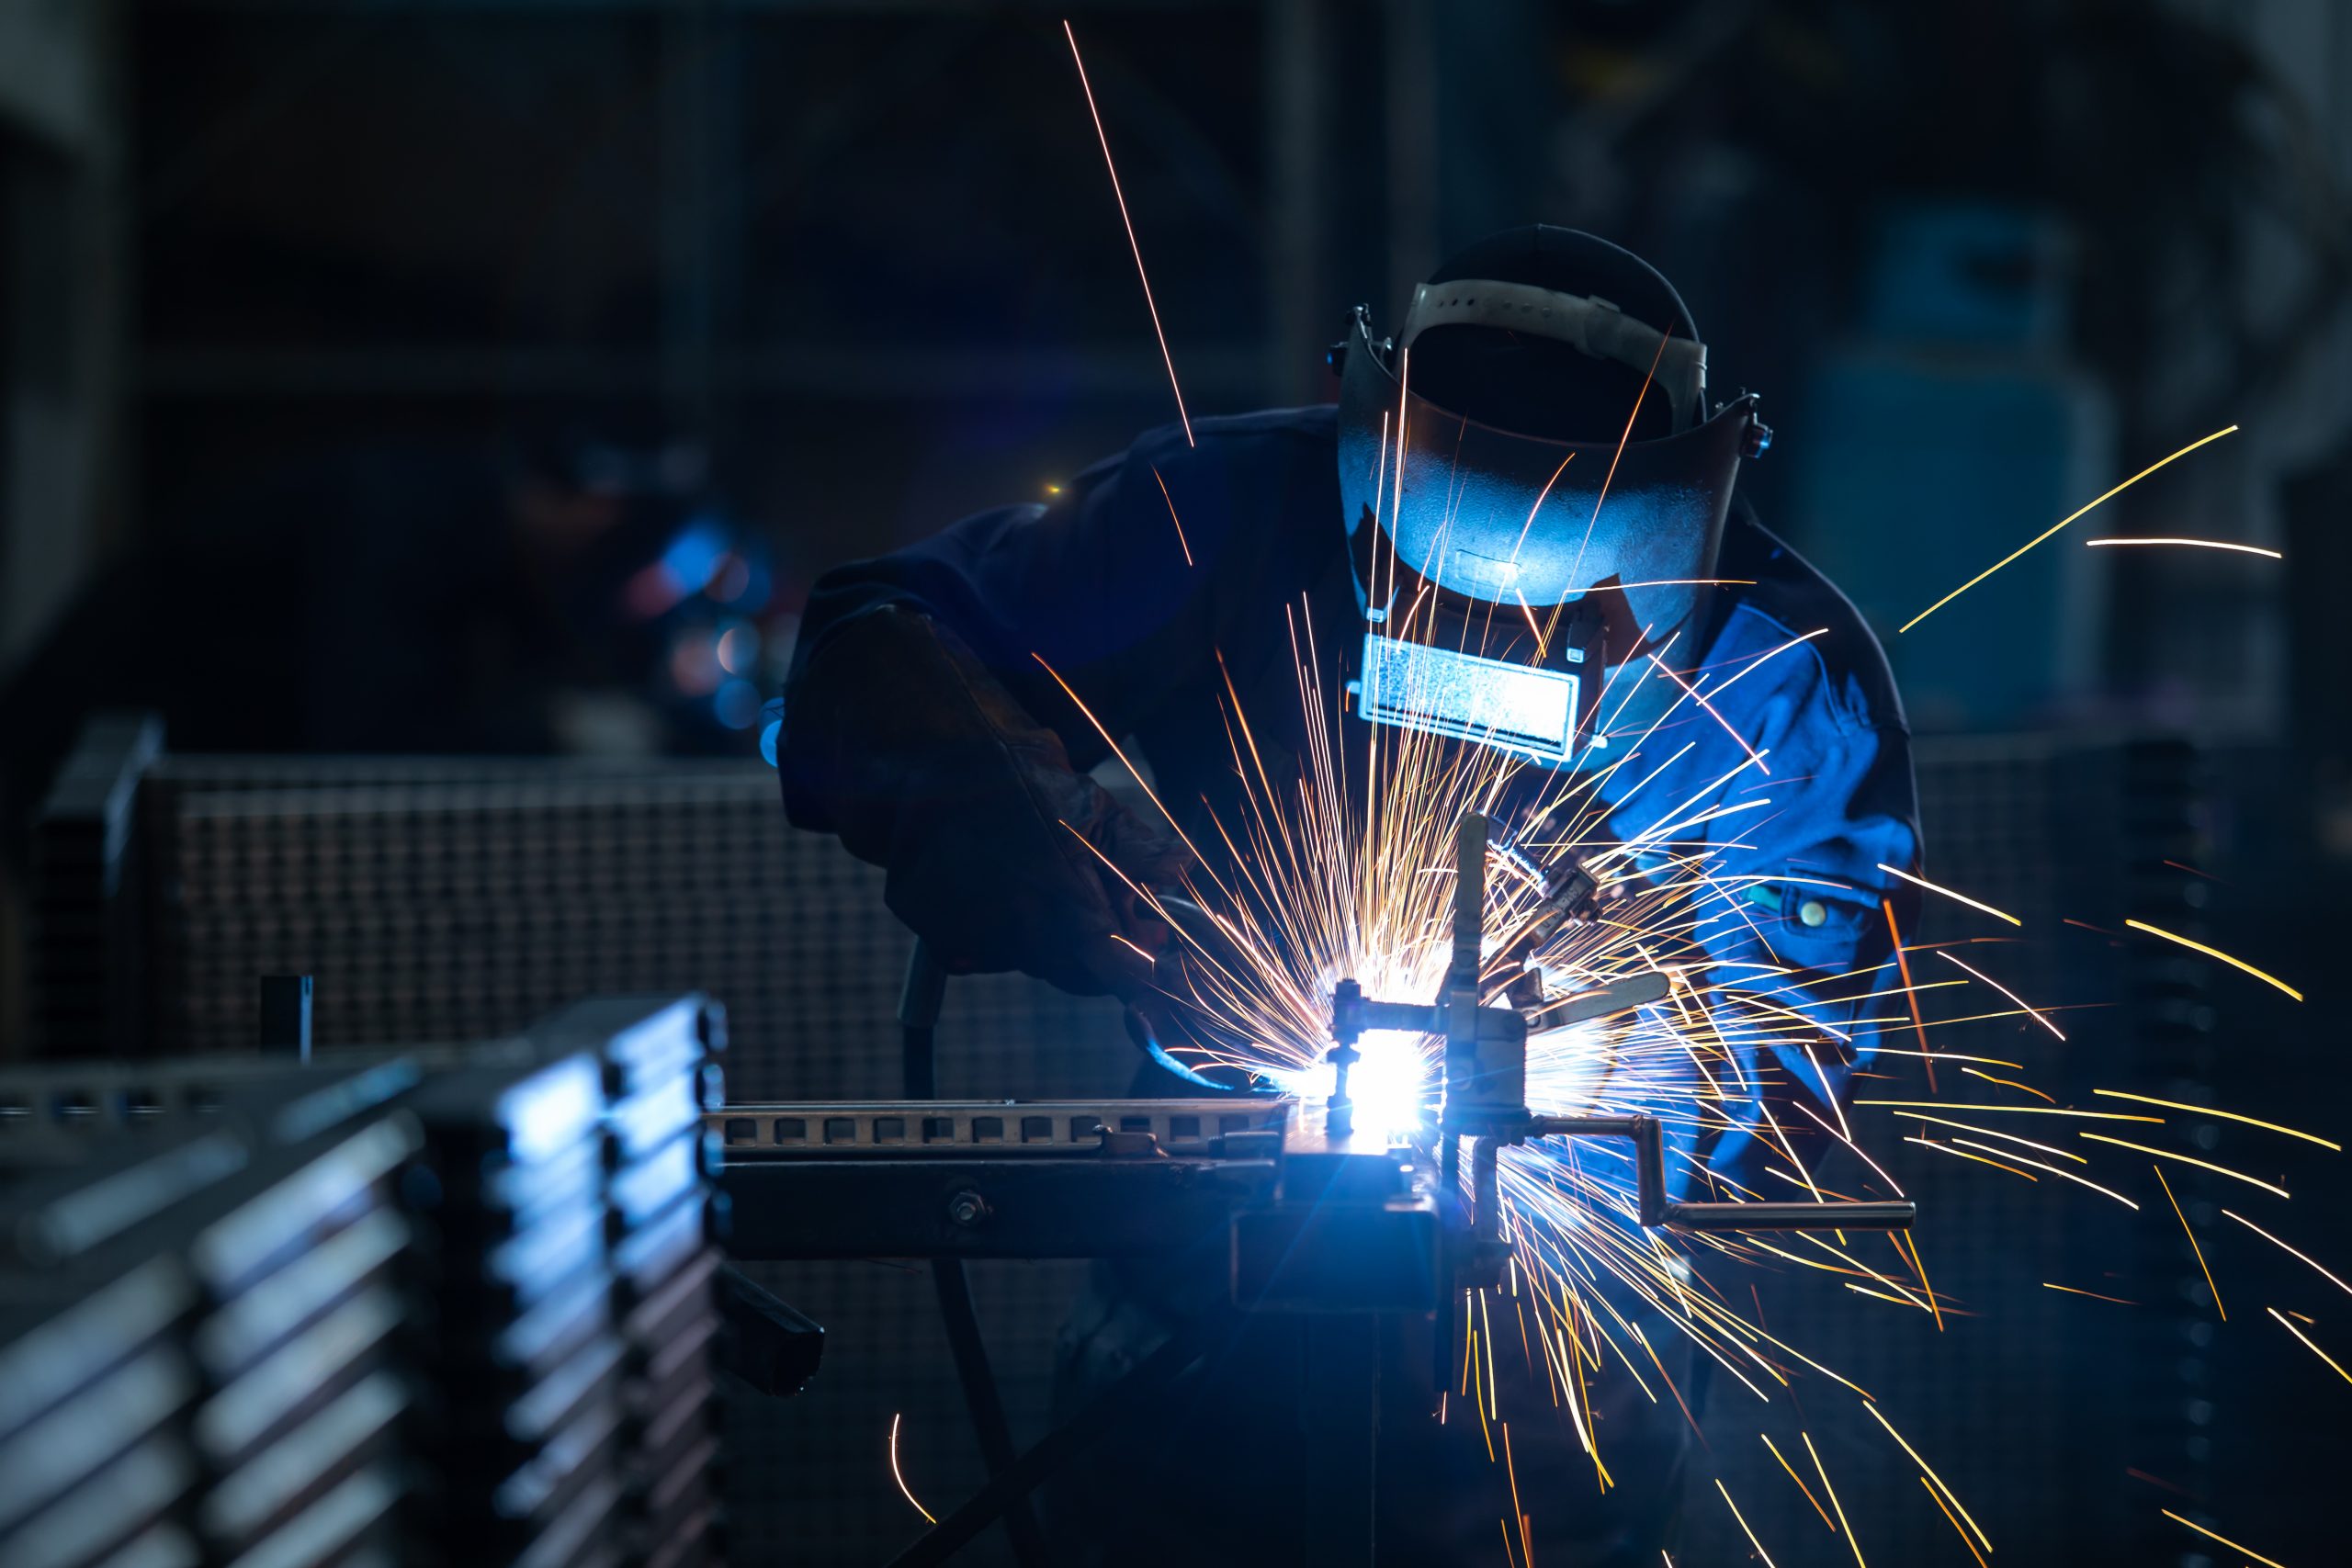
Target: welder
[1523, 498]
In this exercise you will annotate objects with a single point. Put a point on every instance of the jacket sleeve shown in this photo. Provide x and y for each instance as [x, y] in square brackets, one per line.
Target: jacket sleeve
[927, 725]
[1094, 589]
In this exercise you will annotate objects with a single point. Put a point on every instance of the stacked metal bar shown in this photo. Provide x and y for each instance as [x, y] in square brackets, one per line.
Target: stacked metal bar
[520, 1417]
[456, 899]
[433, 1306]
[200, 1352]
[660, 1075]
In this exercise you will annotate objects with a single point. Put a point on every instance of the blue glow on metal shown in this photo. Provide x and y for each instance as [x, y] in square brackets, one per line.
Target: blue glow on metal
[1514, 708]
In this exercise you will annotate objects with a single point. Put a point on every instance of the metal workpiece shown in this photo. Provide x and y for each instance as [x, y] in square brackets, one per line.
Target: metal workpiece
[1312, 1218]
[1009, 1203]
[1485, 1087]
[1354, 1234]
[925, 1128]
[1648, 1137]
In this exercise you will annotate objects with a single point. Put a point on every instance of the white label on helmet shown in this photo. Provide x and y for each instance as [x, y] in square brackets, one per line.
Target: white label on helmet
[1492, 701]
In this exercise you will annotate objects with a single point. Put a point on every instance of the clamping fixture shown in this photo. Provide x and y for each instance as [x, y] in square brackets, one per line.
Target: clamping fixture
[1485, 1095]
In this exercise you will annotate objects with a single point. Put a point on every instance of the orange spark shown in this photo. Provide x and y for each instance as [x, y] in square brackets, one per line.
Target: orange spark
[2223, 1115]
[1743, 1525]
[1149, 303]
[1910, 993]
[2284, 1248]
[1961, 897]
[2314, 1350]
[1170, 500]
[2189, 1159]
[1880, 1417]
[2199, 544]
[2005, 991]
[2225, 1540]
[2094, 1295]
[2192, 1242]
[2054, 527]
[2217, 953]
[1824, 1472]
[1801, 1485]
[901, 1480]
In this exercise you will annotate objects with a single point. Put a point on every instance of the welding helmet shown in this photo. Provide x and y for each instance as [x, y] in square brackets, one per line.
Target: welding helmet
[1534, 485]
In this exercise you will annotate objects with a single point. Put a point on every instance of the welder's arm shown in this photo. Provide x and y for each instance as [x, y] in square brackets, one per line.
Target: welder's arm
[999, 854]
[1811, 938]
[946, 699]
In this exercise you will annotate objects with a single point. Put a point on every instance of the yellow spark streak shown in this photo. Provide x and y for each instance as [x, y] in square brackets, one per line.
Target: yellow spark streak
[2005, 991]
[1955, 1055]
[1900, 1241]
[1743, 1525]
[1526, 1550]
[2192, 1242]
[2188, 1159]
[1123, 941]
[2054, 527]
[2094, 1295]
[2217, 953]
[1990, 1133]
[1689, 691]
[1938, 1502]
[1980, 1159]
[2307, 1342]
[901, 1480]
[2201, 543]
[1125, 762]
[1149, 303]
[2223, 1115]
[2012, 1083]
[1941, 1022]
[2014, 1109]
[2225, 1540]
[1801, 1485]
[2103, 1191]
[1538, 507]
[1903, 968]
[1487, 1332]
[1170, 500]
[2284, 1248]
[1881, 1419]
[1824, 1472]
[1611, 477]
[1961, 897]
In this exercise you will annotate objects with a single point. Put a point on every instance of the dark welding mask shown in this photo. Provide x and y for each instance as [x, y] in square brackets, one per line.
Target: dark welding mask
[1528, 533]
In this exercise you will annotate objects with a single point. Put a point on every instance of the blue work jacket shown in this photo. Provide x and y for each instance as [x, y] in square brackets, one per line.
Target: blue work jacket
[1156, 562]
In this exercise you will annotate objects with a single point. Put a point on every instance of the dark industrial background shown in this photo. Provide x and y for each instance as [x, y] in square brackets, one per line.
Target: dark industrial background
[299, 298]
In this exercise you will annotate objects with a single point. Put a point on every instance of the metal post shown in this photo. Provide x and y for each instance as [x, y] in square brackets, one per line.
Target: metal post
[286, 1016]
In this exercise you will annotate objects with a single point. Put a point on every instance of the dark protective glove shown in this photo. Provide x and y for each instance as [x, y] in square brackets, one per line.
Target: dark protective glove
[897, 739]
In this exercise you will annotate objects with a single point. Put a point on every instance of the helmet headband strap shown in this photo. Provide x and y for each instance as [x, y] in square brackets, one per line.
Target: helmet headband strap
[1590, 324]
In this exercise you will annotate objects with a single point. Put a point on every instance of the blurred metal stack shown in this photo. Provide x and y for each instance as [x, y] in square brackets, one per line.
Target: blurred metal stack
[659, 1078]
[409, 1308]
[460, 898]
[201, 1364]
